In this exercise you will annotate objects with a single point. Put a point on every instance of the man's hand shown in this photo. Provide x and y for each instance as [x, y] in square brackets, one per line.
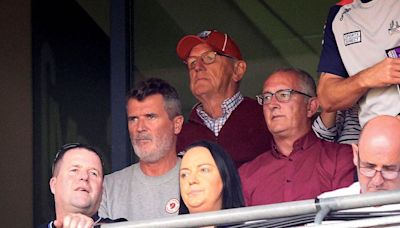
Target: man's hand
[75, 221]
[338, 93]
[382, 74]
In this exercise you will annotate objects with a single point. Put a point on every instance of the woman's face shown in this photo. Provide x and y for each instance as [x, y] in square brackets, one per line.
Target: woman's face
[200, 181]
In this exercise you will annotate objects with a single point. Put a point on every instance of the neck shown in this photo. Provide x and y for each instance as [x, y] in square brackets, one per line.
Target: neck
[212, 104]
[59, 214]
[160, 167]
[285, 143]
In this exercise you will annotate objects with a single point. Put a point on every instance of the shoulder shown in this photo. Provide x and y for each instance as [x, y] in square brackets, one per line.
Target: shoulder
[334, 147]
[248, 101]
[45, 225]
[330, 59]
[251, 167]
[334, 10]
[120, 175]
[332, 154]
[243, 108]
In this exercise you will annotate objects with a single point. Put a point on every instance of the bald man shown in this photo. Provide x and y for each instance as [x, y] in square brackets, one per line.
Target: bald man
[377, 158]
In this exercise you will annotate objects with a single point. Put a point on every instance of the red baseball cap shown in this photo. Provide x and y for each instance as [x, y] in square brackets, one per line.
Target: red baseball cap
[220, 42]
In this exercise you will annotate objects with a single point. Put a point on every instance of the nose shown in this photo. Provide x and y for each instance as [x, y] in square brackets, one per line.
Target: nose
[193, 179]
[377, 180]
[199, 65]
[83, 175]
[141, 125]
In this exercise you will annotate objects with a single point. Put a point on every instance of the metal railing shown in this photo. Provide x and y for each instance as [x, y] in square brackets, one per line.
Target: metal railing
[265, 212]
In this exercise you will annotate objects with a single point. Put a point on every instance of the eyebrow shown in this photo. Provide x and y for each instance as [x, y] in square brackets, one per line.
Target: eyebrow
[209, 164]
[205, 164]
[80, 166]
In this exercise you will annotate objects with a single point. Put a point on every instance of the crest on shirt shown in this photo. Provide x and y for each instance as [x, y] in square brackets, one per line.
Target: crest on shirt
[394, 27]
[172, 206]
[352, 37]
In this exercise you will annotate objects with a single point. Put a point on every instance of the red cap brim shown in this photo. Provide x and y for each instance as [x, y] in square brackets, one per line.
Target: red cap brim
[186, 44]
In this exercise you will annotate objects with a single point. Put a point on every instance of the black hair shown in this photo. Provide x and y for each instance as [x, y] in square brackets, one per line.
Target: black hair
[69, 146]
[153, 86]
[232, 194]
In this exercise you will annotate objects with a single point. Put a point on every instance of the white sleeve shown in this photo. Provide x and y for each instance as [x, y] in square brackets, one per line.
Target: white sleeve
[328, 134]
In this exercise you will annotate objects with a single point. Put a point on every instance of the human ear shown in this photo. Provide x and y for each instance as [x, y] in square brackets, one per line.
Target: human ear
[355, 154]
[52, 184]
[312, 106]
[178, 122]
[239, 68]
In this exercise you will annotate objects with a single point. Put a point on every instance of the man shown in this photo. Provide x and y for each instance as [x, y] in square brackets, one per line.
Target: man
[377, 158]
[360, 58]
[223, 115]
[299, 165]
[149, 188]
[77, 187]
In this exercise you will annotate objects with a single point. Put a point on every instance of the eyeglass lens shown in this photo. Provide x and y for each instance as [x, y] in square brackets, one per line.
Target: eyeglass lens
[207, 58]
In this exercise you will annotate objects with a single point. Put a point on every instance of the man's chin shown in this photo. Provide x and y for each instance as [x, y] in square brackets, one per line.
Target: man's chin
[82, 206]
[150, 159]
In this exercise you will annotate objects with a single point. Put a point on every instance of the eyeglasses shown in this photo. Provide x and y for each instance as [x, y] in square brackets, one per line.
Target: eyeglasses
[282, 95]
[207, 57]
[388, 173]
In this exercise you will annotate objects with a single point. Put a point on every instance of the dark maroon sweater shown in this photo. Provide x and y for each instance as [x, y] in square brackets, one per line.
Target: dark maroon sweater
[244, 135]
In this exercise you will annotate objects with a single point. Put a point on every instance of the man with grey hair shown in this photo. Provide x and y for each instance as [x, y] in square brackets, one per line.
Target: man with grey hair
[223, 115]
[149, 188]
[299, 165]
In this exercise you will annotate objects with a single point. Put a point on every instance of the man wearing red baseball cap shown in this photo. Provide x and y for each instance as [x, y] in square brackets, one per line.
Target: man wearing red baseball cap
[223, 114]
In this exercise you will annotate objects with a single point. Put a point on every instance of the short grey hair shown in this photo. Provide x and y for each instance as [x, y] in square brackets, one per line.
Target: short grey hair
[307, 82]
[154, 86]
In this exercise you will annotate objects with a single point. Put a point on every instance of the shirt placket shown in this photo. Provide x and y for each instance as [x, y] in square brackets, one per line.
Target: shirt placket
[288, 184]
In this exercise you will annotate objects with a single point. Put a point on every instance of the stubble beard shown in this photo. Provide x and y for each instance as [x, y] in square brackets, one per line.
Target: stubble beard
[159, 149]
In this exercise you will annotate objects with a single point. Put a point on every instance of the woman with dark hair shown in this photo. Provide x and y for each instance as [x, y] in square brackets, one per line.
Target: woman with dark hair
[209, 180]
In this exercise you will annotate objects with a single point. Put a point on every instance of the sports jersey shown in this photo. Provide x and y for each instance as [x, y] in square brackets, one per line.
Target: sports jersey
[357, 36]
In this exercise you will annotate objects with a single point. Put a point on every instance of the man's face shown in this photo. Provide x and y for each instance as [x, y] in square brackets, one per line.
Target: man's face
[378, 153]
[285, 118]
[77, 183]
[212, 79]
[200, 181]
[152, 132]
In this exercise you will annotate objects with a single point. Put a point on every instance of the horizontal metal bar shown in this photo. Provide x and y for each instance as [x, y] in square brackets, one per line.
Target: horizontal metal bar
[279, 210]
[368, 222]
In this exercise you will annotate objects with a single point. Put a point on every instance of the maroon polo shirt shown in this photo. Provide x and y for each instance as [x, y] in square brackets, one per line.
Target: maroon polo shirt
[314, 166]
